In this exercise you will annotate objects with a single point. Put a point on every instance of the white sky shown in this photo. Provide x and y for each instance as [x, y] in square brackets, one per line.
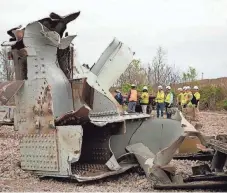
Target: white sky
[194, 32]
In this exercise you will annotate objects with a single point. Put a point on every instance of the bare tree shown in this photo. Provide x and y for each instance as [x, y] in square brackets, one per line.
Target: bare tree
[160, 73]
[6, 66]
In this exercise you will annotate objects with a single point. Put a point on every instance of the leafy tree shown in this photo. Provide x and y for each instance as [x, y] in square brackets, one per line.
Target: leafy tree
[190, 75]
[133, 74]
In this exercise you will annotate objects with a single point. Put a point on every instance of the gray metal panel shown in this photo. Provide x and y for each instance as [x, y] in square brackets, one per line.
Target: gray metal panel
[118, 143]
[142, 154]
[39, 152]
[102, 103]
[158, 134]
[112, 63]
[96, 68]
[69, 146]
[43, 65]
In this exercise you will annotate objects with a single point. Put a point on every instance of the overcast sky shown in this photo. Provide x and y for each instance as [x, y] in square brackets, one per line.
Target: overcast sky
[193, 32]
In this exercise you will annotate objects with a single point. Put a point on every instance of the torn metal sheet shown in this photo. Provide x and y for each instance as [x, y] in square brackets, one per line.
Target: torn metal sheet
[194, 140]
[104, 120]
[74, 117]
[101, 173]
[156, 165]
[157, 134]
[144, 156]
[164, 156]
[112, 63]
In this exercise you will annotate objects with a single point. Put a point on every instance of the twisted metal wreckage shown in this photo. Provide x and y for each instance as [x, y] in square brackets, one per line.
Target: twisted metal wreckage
[73, 127]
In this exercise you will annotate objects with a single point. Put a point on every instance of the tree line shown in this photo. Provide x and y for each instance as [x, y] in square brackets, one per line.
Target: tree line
[158, 72]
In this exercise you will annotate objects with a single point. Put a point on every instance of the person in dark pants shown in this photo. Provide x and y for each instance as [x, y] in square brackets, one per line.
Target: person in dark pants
[132, 99]
[119, 97]
[160, 101]
[168, 102]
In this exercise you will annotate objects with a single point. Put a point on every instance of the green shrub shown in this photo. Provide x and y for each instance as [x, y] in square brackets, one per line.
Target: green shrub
[225, 104]
[212, 97]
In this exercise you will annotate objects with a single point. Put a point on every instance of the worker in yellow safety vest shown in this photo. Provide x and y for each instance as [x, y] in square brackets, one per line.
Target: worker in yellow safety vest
[197, 95]
[168, 102]
[144, 99]
[180, 98]
[132, 99]
[184, 96]
[160, 99]
[189, 97]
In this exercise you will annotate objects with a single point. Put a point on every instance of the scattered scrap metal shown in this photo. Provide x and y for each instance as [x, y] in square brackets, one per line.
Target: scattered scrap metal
[73, 127]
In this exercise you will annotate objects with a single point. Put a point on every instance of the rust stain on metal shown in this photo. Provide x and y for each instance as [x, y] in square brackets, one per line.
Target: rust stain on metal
[74, 117]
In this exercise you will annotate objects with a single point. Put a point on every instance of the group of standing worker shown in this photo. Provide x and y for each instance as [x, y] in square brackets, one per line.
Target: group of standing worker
[164, 101]
[186, 98]
[189, 98]
[133, 98]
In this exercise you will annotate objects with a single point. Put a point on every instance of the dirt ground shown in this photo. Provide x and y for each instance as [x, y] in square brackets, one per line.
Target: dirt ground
[12, 178]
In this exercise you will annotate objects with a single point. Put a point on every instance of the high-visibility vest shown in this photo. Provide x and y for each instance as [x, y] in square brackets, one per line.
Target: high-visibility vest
[145, 98]
[160, 97]
[168, 97]
[197, 95]
[181, 98]
[185, 97]
[133, 95]
[189, 98]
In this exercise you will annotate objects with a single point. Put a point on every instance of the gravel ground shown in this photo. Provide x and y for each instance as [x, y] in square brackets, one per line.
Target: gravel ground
[214, 123]
[12, 178]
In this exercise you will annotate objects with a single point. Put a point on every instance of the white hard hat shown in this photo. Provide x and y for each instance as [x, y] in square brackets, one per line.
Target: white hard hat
[133, 85]
[145, 88]
[196, 88]
[168, 87]
[160, 86]
[185, 88]
[188, 88]
[179, 89]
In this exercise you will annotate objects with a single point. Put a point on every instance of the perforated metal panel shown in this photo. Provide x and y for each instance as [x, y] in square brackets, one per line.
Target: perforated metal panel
[39, 152]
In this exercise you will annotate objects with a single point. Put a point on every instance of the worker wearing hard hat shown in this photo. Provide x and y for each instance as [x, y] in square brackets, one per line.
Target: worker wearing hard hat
[160, 99]
[132, 99]
[197, 95]
[180, 98]
[189, 96]
[144, 99]
[195, 101]
[168, 102]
